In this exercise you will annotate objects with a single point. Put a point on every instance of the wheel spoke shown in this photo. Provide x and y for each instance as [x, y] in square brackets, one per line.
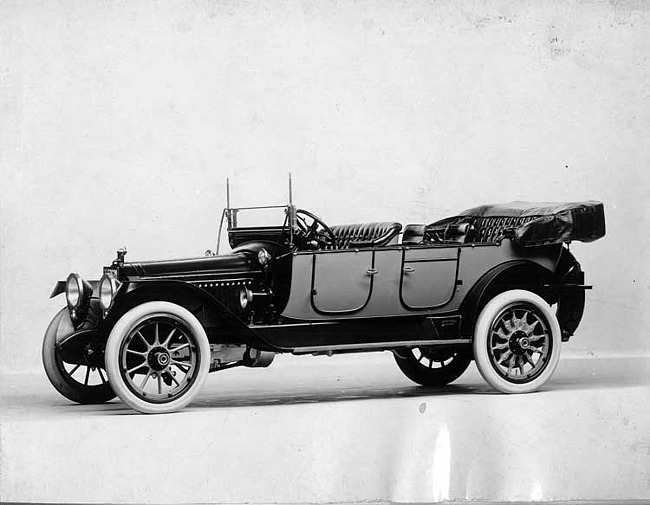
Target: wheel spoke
[156, 335]
[159, 384]
[181, 365]
[169, 337]
[131, 351]
[501, 346]
[143, 339]
[176, 349]
[514, 321]
[504, 357]
[87, 375]
[144, 381]
[511, 363]
[528, 359]
[500, 334]
[530, 329]
[137, 367]
[535, 338]
[75, 369]
[101, 375]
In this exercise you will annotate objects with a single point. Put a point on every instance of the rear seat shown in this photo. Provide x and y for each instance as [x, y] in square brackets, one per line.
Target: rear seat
[352, 236]
[443, 232]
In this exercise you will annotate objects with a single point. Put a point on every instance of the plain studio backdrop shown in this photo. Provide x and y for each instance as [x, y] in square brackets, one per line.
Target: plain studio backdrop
[120, 121]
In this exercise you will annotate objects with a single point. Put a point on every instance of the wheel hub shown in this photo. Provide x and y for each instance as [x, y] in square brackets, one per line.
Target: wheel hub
[519, 342]
[158, 358]
[93, 355]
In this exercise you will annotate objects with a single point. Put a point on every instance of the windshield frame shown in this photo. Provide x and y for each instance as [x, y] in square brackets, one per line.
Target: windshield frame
[230, 214]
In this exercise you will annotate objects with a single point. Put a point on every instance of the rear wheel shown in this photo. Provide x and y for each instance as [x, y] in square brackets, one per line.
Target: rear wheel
[434, 365]
[517, 342]
[157, 357]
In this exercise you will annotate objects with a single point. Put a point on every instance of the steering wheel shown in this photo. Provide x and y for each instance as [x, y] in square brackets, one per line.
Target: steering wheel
[317, 231]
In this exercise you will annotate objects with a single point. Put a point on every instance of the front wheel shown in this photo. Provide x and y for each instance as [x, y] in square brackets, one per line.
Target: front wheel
[517, 342]
[75, 371]
[434, 365]
[157, 357]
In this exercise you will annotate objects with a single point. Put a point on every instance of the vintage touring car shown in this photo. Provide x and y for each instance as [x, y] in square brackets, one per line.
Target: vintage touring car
[496, 284]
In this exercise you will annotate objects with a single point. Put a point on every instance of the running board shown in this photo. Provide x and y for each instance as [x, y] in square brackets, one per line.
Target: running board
[362, 334]
[375, 346]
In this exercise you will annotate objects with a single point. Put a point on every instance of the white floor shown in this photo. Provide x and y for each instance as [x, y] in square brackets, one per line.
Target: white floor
[342, 429]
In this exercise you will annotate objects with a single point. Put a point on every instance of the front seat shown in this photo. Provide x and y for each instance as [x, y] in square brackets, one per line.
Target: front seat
[353, 236]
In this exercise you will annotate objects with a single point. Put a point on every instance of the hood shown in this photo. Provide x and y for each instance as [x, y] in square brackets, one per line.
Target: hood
[225, 265]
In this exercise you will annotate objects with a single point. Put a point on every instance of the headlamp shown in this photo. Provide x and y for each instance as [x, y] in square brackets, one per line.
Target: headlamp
[73, 290]
[108, 286]
[77, 295]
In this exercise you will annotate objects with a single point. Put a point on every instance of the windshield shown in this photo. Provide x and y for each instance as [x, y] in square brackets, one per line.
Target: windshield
[256, 217]
[267, 222]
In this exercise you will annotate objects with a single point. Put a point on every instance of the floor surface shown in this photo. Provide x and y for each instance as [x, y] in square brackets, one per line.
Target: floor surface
[345, 429]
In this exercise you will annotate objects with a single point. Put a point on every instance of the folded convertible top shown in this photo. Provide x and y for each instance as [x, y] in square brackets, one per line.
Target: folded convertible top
[530, 224]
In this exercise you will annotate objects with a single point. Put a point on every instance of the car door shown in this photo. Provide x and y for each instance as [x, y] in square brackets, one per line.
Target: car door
[342, 281]
[429, 276]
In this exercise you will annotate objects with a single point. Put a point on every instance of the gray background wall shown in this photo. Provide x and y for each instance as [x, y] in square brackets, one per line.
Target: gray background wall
[119, 122]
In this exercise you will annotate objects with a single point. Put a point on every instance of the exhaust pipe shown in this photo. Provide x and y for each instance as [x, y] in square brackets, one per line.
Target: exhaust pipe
[256, 358]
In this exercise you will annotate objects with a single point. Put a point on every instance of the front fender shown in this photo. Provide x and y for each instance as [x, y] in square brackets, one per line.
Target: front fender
[210, 311]
[60, 326]
[61, 337]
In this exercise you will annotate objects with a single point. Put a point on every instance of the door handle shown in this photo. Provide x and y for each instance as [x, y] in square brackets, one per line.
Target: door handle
[408, 270]
[372, 271]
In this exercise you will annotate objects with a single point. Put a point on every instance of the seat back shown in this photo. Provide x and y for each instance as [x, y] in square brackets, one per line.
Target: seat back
[493, 229]
[352, 236]
[413, 234]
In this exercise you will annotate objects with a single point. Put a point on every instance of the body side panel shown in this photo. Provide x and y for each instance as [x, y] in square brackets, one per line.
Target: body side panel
[473, 262]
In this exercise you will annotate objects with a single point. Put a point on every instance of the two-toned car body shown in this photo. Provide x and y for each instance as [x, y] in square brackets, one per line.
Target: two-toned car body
[497, 284]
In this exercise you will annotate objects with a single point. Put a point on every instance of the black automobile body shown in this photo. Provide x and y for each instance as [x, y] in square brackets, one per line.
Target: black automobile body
[497, 284]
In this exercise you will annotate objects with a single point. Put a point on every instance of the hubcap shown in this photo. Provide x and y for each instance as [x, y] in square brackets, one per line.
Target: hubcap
[520, 343]
[158, 358]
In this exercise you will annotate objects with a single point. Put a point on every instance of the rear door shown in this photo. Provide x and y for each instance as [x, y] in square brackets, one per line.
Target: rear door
[429, 276]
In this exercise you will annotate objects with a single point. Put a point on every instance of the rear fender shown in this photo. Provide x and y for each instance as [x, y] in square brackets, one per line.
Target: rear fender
[571, 301]
[513, 274]
[220, 323]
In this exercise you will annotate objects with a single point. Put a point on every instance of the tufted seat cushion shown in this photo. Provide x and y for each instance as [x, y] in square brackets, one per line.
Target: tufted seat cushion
[350, 236]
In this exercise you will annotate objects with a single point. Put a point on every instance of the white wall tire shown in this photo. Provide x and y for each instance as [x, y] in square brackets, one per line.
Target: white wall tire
[157, 357]
[517, 342]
